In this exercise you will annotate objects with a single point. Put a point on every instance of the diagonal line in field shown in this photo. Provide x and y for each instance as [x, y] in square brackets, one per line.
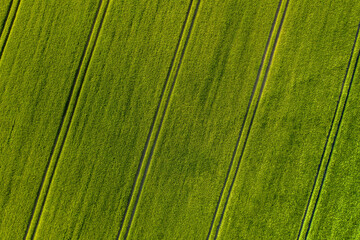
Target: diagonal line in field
[336, 134]
[6, 17]
[244, 121]
[161, 120]
[10, 26]
[67, 112]
[154, 118]
[328, 136]
[252, 118]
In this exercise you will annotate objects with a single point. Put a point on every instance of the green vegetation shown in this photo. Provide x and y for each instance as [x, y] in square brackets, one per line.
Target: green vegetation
[185, 119]
[119, 96]
[9, 10]
[5, 6]
[331, 140]
[292, 123]
[337, 217]
[36, 71]
[216, 81]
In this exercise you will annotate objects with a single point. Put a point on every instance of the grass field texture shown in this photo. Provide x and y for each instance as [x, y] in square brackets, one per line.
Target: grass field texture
[187, 119]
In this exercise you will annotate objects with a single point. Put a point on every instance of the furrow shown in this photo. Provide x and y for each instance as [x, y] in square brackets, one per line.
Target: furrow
[8, 30]
[65, 123]
[140, 166]
[328, 136]
[246, 117]
[335, 137]
[253, 116]
[136, 200]
[6, 18]
[244, 121]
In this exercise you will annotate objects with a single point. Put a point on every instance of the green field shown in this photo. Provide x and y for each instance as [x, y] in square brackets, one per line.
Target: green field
[186, 119]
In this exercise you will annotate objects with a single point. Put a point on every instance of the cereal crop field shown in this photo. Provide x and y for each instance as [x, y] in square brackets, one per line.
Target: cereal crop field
[179, 119]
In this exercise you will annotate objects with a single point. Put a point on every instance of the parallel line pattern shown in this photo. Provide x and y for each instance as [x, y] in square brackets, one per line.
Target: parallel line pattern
[336, 132]
[6, 18]
[253, 117]
[67, 112]
[161, 120]
[328, 136]
[10, 25]
[140, 166]
[244, 121]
